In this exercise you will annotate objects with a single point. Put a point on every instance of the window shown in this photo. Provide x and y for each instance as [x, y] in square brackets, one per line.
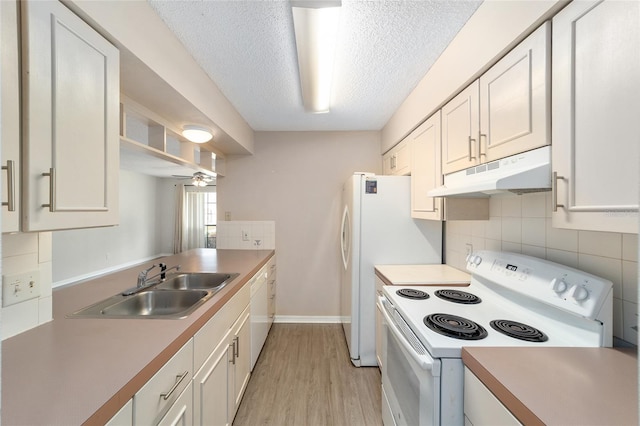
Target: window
[197, 219]
[210, 219]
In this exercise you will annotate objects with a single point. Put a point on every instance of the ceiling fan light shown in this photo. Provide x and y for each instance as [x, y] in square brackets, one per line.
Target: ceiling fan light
[197, 134]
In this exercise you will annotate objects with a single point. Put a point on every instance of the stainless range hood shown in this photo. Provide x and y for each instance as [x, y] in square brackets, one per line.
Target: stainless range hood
[526, 172]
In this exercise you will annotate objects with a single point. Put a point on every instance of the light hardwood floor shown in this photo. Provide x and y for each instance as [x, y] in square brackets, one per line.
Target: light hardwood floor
[304, 378]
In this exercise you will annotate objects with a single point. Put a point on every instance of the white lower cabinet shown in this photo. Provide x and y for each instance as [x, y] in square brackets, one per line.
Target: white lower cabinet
[271, 283]
[210, 388]
[240, 364]
[222, 357]
[181, 412]
[481, 407]
[164, 391]
[124, 417]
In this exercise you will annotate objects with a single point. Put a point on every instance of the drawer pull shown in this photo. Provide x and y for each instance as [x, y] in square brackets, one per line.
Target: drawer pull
[179, 380]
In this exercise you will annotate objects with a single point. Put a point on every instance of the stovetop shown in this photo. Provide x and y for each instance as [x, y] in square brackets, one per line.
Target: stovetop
[532, 306]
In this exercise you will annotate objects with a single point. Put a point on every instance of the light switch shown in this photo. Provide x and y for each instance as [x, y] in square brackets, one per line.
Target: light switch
[20, 287]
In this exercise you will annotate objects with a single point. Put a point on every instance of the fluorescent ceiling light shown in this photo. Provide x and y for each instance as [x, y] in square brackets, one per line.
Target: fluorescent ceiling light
[197, 134]
[316, 28]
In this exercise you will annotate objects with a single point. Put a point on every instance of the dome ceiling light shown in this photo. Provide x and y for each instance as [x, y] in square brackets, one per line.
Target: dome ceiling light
[197, 134]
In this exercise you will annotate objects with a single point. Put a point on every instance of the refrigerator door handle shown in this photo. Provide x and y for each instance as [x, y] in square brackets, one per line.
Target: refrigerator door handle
[345, 237]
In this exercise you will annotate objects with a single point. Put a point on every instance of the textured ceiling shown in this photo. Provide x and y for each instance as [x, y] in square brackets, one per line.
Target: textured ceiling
[248, 49]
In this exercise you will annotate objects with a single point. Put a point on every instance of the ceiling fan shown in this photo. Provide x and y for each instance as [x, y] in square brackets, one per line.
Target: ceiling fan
[198, 178]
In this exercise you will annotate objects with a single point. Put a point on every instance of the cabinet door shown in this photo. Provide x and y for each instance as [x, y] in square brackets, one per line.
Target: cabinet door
[241, 364]
[71, 121]
[515, 99]
[210, 388]
[397, 162]
[10, 117]
[596, 110]
[426, 173]
[460, 123]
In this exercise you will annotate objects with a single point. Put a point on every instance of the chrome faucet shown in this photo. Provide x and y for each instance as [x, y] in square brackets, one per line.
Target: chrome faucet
[142, 276]
[144, 282]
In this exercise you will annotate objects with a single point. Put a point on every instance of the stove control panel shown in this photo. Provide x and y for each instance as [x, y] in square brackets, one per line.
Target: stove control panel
[551, 283]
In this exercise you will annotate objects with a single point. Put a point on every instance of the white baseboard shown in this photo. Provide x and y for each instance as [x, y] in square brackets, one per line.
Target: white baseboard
[299, 319]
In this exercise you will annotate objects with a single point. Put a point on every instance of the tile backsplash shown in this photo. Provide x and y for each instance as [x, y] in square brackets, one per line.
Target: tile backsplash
[246, 235]
[24, 253]
[522, 224]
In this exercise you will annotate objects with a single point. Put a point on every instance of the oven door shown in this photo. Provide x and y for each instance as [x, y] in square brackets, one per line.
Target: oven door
[410, 376]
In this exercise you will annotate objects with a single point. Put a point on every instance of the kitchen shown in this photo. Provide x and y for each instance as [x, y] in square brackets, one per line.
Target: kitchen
[516, 223]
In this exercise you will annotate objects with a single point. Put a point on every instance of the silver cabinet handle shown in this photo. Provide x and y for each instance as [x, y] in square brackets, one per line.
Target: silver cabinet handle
[554, 191]
[237, 346]
[470, 148]
[52, 189]
[11, 194]
[480, 153]
[179, 380]
[233, 352]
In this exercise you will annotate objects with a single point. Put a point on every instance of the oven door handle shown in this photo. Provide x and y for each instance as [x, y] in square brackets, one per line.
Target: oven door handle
[424, 360]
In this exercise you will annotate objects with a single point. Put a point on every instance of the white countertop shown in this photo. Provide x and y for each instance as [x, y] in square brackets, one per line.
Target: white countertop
[421, 275]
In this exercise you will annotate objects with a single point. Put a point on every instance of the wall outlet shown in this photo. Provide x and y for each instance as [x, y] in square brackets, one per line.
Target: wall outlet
[245, 235]
[20, 287]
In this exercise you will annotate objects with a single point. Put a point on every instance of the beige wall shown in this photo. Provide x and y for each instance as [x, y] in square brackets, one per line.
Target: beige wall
[522, 224]
[295, 179]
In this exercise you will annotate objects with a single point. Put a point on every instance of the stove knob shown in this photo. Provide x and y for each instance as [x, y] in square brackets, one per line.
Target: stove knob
[558, 285]
[578, 293]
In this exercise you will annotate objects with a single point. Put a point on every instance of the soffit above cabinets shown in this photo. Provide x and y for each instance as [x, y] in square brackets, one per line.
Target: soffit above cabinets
[142, 84]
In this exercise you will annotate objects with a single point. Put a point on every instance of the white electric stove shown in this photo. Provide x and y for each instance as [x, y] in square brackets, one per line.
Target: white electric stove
[512, 300]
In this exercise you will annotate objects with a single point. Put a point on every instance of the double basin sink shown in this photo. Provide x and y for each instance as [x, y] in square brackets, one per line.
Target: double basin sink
[172, 298]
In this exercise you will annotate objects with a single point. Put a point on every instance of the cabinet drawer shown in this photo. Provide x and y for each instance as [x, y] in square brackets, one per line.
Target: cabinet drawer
[157, 396]
[207, 338]
[181, 413]
[481, 407]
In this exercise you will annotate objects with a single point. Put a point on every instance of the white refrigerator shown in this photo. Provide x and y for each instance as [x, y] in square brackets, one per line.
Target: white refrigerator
[377, 228]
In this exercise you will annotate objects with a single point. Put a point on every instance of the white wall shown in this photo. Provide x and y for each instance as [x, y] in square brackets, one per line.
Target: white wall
[295, 179]
[22, 253]
[145, 231]
[522, 224]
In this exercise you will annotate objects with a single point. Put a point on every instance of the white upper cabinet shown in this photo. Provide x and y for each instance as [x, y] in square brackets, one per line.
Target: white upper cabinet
[397, 161]
[460, 130]
[503, 113]
[426, 172]
[596, 116]
[515, 99]
[10, 127]
[70, 121]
